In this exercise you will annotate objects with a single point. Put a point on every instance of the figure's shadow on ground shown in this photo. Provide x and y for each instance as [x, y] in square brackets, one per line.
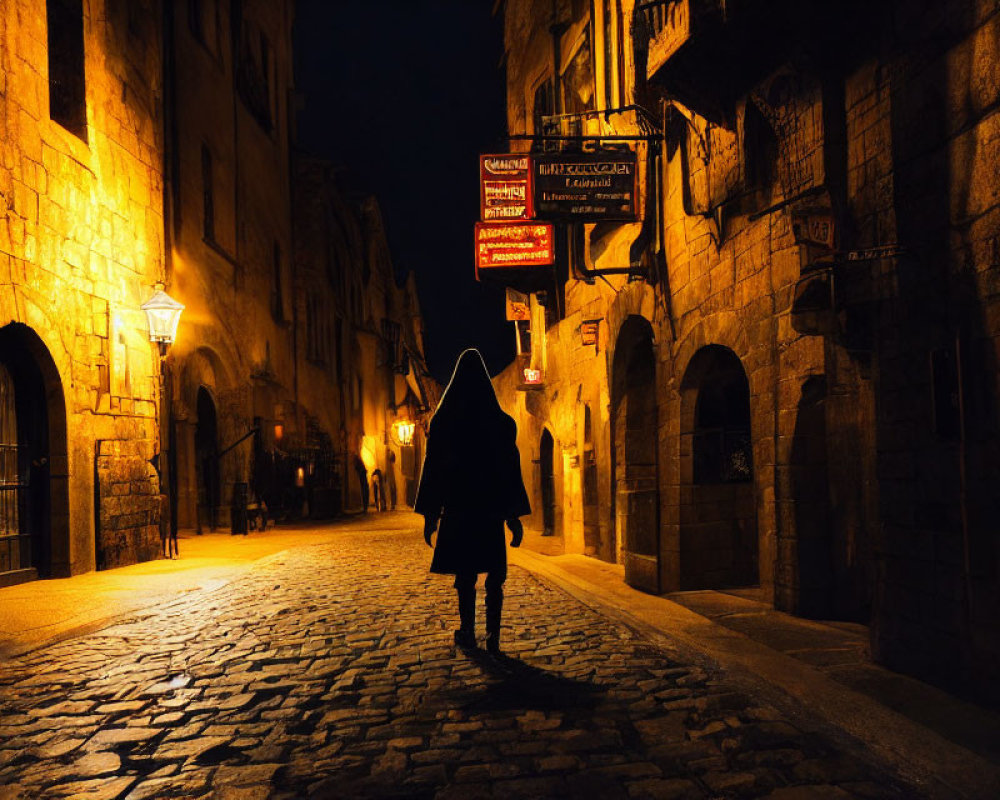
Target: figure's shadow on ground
[515, 684]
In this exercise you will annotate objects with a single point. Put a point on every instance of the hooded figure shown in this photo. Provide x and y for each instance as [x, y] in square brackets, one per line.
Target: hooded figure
[471, 481]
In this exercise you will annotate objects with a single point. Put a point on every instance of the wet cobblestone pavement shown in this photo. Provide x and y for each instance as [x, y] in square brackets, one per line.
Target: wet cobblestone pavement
[329, 671]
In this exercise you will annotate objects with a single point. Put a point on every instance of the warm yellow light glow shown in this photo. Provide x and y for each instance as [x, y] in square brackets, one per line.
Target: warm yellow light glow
[402, 432]
[279, 431]
[162, 313]
[300, 477]
[532, 375]
[368, 445]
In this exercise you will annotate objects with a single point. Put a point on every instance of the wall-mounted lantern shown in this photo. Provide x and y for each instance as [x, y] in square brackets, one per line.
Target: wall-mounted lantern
[162, 314]
[402, 432]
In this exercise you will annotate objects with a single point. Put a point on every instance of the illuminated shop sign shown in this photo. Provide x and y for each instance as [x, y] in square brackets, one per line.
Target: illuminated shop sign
[505, 191]
[588, 331]
[508, 245]
[586, 187]
[532, 377]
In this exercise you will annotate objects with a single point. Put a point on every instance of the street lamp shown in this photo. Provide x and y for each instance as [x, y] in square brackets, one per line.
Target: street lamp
[402, 432]
[162, 313]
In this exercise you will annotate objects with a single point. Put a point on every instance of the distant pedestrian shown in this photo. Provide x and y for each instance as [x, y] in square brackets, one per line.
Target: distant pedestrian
[390, 480]
[362, 472]
[378, 490]
[471, 481]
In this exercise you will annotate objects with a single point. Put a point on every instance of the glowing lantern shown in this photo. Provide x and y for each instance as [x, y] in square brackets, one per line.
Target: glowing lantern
[532, 377]
[162, 313]
[402, 432]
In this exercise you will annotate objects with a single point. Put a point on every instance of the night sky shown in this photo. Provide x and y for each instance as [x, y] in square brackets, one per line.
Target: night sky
[407, 95]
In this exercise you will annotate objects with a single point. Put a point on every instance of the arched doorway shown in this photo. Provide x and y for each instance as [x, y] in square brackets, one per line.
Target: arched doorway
[718, 516]
[206, 447]
[546, 456]
[634, 453]
[34, 520]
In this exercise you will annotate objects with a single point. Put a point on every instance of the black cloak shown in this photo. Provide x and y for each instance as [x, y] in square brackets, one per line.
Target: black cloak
[471, 476]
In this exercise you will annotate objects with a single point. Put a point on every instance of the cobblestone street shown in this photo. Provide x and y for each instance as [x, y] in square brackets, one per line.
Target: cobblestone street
[329, 671]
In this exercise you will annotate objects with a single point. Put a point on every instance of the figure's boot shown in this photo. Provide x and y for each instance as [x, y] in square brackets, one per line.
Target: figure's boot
[494, 612]
[465, 636]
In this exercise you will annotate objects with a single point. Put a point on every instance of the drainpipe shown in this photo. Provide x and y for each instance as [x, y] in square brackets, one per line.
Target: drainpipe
[170, 160]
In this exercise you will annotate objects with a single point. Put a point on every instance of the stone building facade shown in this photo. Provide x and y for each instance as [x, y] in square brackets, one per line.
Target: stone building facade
[794, 384]
[279, 381]
[363, 342]
[81, 248]
[231, 370]
[144, 146]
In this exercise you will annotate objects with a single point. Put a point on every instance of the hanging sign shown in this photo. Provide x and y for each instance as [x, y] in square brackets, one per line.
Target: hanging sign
[586, 187]
[814, 228]
[509, 245]
[532, 377]
[517, 306]
[588, 331]
[505, 187]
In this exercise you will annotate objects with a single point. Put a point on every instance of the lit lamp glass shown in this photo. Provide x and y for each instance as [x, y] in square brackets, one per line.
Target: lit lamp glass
[162, 314]
[402, 432]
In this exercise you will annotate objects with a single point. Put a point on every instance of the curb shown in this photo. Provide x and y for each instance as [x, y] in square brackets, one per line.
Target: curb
[937, 767]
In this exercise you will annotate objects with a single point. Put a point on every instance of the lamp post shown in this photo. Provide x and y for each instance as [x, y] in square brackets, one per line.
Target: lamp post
[162, 315]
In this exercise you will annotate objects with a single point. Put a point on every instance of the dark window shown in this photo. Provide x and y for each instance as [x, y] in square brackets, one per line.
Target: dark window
[610, 8]
[277, 290]
[578, 80]
[253, 75]
[208, 195]
[760, 149]
[544, 106]
[67, 87]
[721, 447]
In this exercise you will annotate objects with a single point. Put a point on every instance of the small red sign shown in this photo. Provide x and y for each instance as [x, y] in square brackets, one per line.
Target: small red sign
[506, 245]
[505, 188]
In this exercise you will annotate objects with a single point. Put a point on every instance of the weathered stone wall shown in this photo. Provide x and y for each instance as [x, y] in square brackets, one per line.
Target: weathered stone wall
[81, 241]
[925, 175]
[229, 136]
[873, 383]
[128, 510]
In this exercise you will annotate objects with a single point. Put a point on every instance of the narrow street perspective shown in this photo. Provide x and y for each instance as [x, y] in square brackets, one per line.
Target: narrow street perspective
[500, 399]
[328, 670]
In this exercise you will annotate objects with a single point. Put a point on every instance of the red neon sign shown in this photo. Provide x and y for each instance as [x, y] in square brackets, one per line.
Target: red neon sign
[505, 188]
[505, 245]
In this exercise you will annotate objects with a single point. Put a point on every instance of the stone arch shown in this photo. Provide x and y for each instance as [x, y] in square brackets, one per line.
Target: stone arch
[718, 544]
[635, 452]
[197, 498]
[41, 453]
[634, 300]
